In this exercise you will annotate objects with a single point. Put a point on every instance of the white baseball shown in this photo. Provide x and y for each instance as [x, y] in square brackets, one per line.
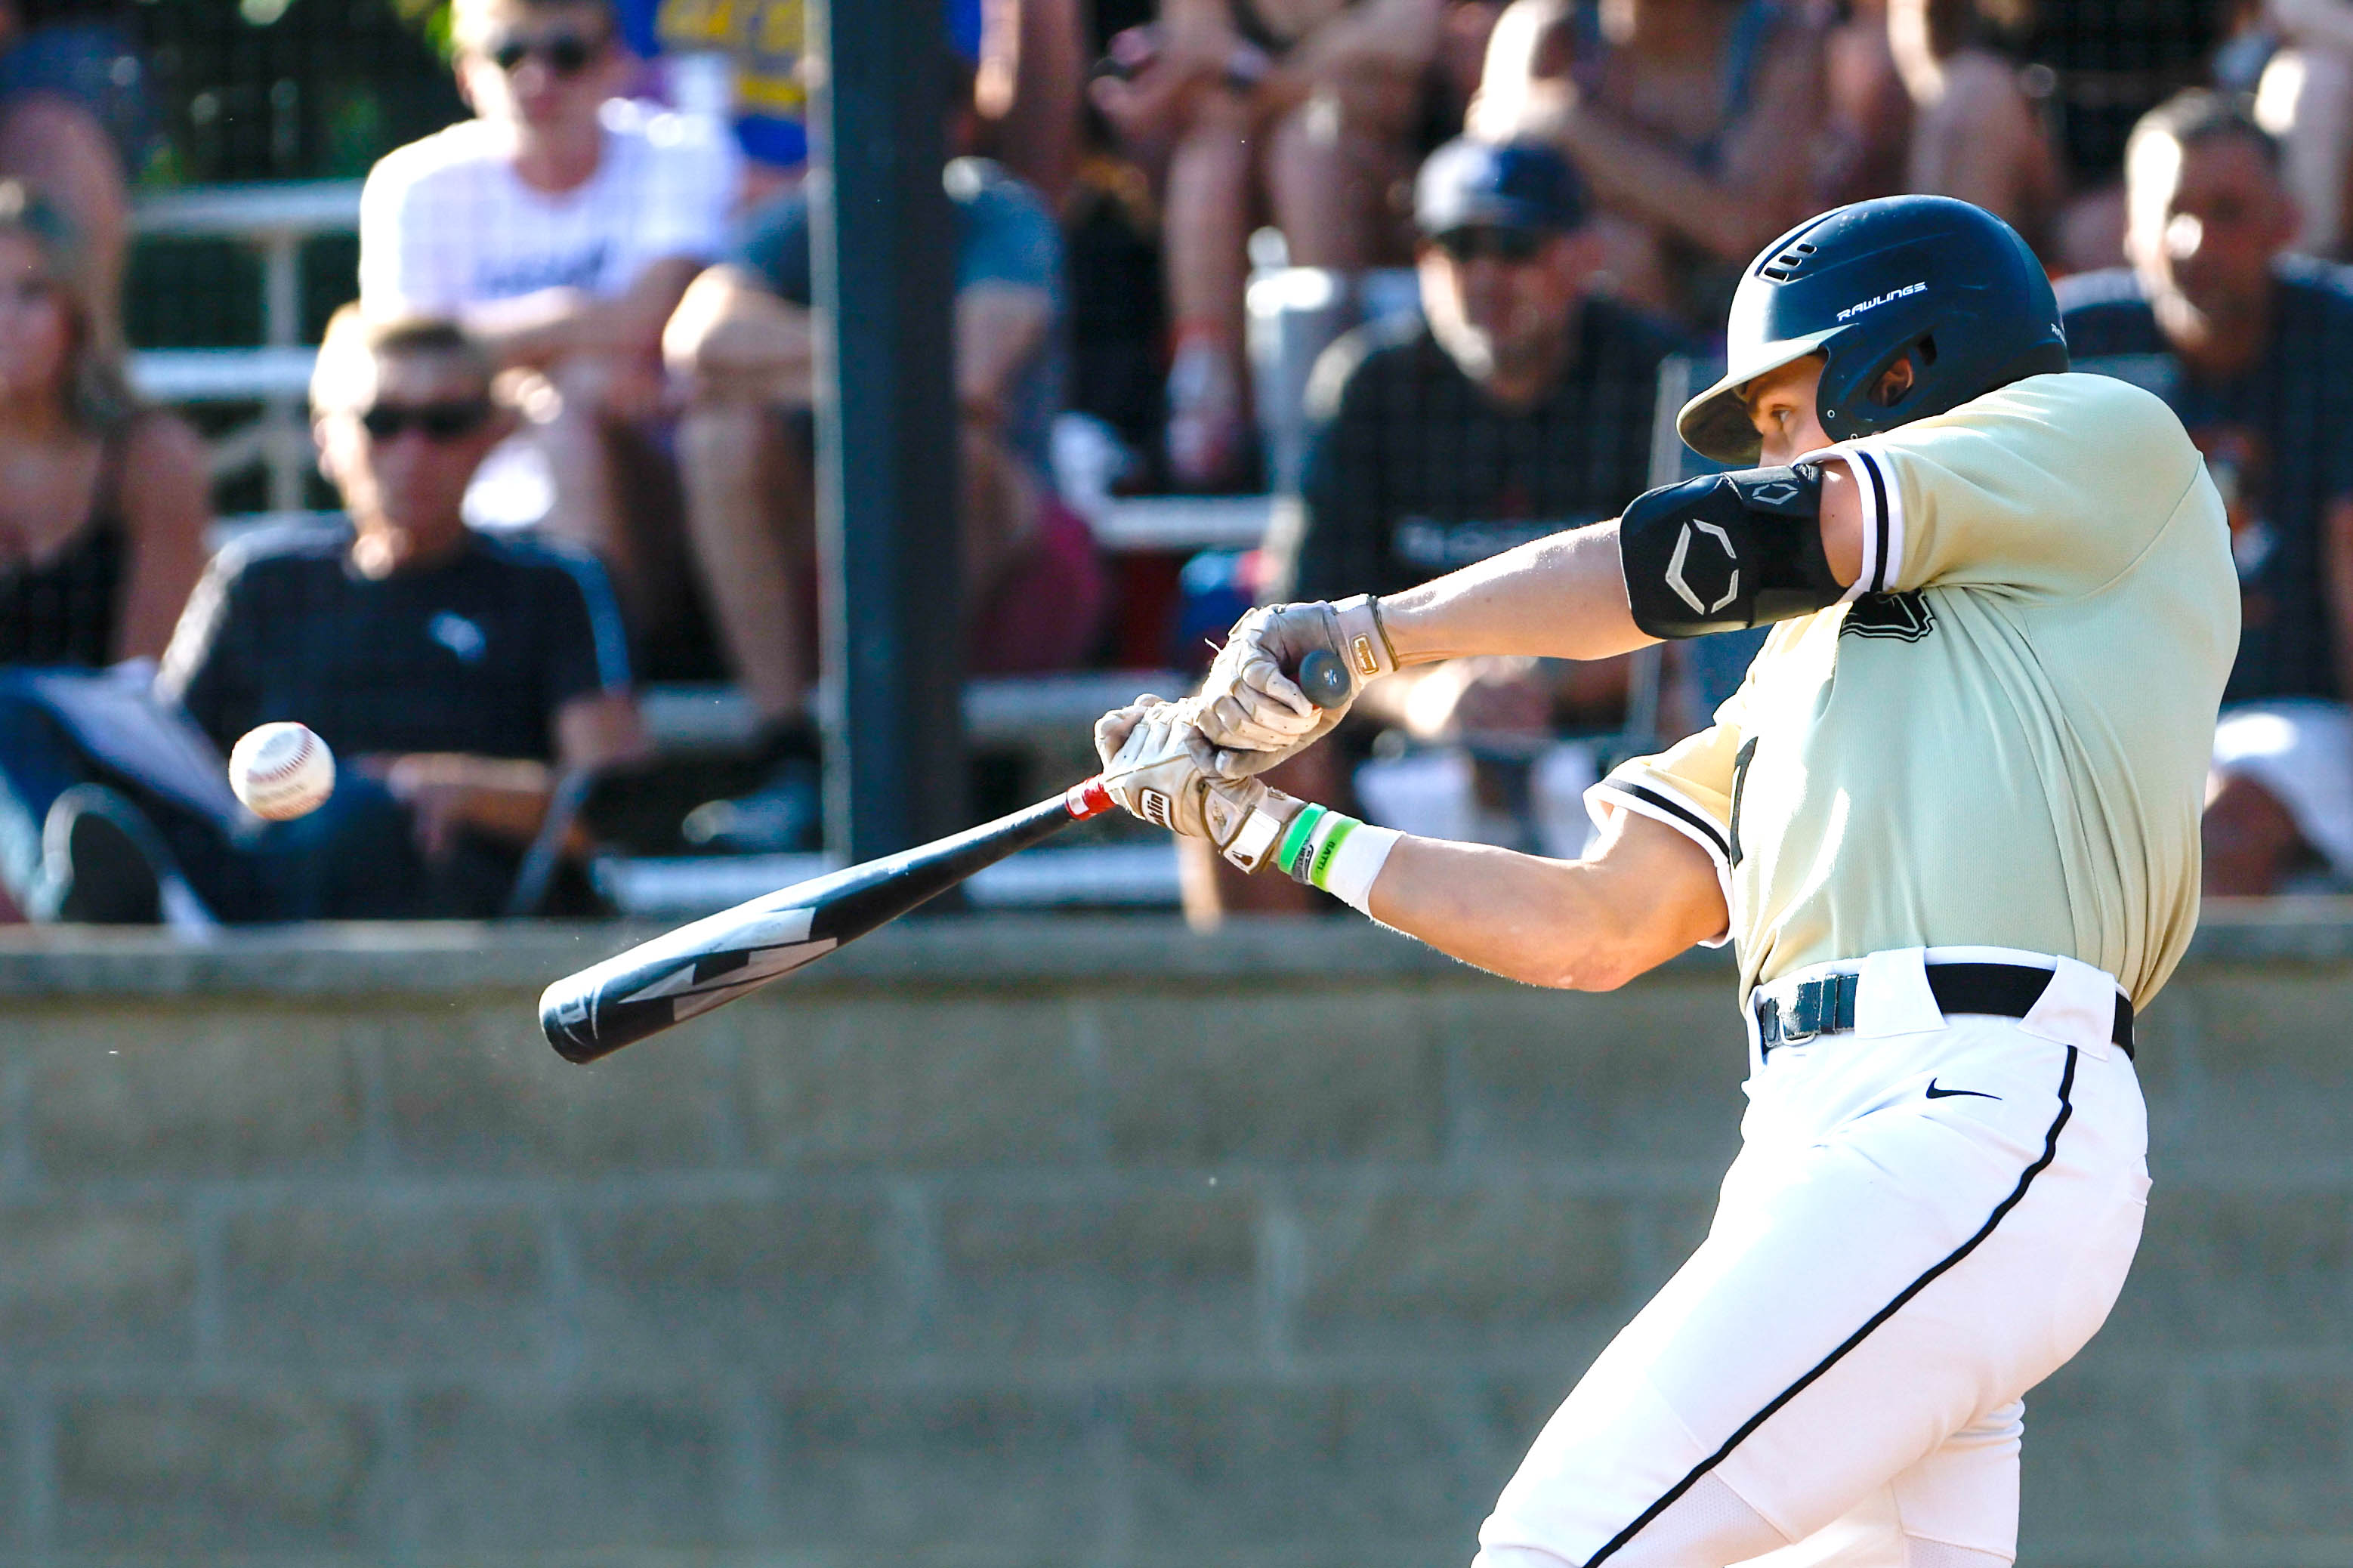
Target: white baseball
[281, 770]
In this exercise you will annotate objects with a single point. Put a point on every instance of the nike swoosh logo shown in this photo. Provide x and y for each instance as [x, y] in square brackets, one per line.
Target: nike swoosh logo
[1935, 1094]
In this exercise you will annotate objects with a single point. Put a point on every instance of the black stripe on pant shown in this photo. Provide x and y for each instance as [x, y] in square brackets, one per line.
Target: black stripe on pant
[2049, 1151]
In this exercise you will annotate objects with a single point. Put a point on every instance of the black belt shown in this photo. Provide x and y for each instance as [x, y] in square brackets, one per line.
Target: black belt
[1826, 1006]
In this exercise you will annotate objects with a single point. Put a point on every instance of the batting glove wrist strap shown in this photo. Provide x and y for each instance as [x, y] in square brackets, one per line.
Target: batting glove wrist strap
[1249, 822]
[1364, 641]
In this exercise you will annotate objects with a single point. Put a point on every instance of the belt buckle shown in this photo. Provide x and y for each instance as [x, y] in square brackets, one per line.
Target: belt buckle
[1814, 1009]
[1805, 1010]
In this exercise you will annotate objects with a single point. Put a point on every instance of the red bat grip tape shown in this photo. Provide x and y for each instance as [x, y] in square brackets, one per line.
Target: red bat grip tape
[1087, 798]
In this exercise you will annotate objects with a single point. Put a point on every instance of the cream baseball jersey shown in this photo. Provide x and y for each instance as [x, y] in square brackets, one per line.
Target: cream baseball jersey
[2000, 737]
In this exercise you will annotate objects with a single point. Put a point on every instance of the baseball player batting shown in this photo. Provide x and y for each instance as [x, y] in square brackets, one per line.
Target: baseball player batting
[1949, 824]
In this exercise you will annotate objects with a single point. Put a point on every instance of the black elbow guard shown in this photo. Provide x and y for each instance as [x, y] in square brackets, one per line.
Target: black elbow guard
[1726, 552]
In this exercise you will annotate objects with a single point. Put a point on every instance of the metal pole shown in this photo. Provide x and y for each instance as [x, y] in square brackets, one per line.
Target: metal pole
[281, 322]
[883, 241]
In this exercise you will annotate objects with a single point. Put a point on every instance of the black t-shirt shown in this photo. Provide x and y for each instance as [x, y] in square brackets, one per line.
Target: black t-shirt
[2278, 440]
[1412, 472]
[473, 654]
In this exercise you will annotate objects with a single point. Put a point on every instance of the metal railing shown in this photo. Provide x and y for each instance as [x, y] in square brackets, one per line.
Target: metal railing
[273, 220]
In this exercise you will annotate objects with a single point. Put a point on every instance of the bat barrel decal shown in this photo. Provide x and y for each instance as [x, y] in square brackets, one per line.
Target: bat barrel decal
[715, 960]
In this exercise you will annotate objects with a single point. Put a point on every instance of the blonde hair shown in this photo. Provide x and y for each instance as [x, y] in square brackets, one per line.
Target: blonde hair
[97, 395]
[355, 340]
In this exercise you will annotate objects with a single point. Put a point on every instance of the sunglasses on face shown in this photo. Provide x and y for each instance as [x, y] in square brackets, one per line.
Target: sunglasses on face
[1502, 244]
[435, 421]
[564, 54]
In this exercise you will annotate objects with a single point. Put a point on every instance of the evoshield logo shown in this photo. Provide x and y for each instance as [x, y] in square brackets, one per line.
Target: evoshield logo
[1858, 308]
[1675, 562]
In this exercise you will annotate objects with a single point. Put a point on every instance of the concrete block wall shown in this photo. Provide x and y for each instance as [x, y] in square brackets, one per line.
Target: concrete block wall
[1009, 1244]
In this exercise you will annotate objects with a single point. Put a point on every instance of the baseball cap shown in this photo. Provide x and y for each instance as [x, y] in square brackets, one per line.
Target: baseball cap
[1515, 185]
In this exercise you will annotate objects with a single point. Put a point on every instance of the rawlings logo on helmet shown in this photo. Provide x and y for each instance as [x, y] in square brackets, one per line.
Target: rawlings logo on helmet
[1858, 309]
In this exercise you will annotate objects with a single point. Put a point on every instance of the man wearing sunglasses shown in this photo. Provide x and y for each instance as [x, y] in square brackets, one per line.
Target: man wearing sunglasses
[451, 673]
[1519, 405]
[561, 225]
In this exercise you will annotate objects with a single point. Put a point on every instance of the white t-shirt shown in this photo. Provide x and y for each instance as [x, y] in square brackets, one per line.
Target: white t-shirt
[445, 224]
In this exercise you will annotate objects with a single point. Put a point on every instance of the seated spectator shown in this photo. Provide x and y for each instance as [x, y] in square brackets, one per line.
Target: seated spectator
[451, 673]
[63, 103]
[102, 523]
[2254, 351]
[1976, 134]
[560, 226]
[1520, 409]
[1694, 122]
[742, 342]
[1312, 100]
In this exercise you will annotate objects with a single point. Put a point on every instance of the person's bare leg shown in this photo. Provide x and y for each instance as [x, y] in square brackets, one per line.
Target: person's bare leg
[1205, 231]
[1208, 218]
[1327, 165]
[751, 494]
[750, 516]
[2250, 839]
[1039, 135]
[587, 506]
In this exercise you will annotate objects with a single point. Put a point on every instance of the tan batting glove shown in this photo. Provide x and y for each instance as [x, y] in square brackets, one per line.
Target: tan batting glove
[1249, 715]
[1149, 770]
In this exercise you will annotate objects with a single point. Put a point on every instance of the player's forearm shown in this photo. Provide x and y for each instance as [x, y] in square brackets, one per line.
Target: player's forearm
[1568, 924]
[1561, 597]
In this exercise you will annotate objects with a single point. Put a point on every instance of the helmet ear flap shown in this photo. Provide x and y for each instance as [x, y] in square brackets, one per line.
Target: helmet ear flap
[1915, 358]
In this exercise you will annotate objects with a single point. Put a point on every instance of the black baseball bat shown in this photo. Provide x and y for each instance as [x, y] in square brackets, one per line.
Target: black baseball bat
[714, 961]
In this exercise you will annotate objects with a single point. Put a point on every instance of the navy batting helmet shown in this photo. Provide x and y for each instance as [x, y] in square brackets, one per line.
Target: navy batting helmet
[1947, 285]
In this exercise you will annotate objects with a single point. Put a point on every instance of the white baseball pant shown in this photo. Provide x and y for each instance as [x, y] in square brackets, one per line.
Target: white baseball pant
[1929, 1215]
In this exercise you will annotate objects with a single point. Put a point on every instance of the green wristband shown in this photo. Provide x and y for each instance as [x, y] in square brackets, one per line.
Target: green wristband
[1341, 827]
[1295, 840]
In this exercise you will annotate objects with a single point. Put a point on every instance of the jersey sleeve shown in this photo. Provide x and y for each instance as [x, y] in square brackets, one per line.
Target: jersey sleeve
[2053, 487]
[1691, 787]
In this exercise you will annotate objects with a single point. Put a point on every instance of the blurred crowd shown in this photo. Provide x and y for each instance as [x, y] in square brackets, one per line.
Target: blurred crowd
[1426, 271]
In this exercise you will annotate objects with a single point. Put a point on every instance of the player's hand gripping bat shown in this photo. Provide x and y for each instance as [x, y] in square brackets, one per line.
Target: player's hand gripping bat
[715, 960]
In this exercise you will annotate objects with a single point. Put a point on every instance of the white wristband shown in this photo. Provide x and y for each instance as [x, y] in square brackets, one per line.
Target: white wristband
[1358, 863]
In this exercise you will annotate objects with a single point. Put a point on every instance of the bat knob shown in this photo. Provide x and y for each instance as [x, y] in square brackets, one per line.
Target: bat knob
[1325, 678]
